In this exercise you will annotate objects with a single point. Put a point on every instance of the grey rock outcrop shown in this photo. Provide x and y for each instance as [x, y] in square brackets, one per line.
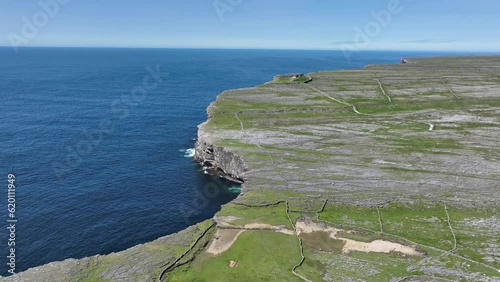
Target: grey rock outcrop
[217, 160]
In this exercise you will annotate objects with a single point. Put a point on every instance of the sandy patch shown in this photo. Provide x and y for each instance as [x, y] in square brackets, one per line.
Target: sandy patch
[223, 240]
[377, 246]
[310, 227]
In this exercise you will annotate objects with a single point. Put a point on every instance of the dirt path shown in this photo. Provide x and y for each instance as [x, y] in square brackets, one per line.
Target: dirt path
[383, 90]
[334, 99]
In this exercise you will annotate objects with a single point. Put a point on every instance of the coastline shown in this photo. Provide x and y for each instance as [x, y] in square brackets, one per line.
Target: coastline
[223, 157]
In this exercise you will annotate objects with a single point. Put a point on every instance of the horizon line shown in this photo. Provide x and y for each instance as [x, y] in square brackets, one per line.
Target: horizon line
[256, 48]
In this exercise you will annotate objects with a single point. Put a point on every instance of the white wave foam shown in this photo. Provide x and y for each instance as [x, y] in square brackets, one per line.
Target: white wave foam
[189, 153]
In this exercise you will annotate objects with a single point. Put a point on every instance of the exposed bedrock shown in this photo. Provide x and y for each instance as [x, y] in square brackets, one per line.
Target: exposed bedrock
[216, 159]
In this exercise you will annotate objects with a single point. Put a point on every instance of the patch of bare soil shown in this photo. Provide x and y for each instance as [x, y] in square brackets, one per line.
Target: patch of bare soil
[223, 240]
[308, 226]
[377, 246]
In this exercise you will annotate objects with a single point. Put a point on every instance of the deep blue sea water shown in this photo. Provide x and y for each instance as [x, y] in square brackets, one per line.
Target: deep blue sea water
[99, 170]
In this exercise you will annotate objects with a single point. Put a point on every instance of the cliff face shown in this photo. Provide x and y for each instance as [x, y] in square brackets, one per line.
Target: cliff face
[216, 159]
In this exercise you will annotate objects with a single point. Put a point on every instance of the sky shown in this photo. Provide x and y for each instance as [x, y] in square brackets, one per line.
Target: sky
[448, 25]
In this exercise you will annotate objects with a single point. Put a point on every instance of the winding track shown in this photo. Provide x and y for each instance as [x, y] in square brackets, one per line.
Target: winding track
[449, 89]
[451, 229]
[336, 100]
[241, 122]
[383, 90]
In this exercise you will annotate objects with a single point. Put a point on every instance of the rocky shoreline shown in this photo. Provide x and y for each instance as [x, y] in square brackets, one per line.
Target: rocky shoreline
[216, 160]
[358, 140]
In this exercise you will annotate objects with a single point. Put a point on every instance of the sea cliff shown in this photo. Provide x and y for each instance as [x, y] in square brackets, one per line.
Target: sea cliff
[216, 159]
[389, 173]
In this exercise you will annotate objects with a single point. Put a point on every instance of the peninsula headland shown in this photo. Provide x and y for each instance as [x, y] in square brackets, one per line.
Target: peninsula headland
[387, 173]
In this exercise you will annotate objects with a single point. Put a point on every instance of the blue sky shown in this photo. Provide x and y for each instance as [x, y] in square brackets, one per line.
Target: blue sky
[315, 24]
